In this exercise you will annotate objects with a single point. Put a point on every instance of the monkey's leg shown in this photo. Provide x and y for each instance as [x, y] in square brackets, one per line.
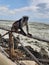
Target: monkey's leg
[22, 32]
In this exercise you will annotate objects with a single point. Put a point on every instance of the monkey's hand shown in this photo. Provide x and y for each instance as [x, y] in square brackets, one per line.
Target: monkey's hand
[29, 35]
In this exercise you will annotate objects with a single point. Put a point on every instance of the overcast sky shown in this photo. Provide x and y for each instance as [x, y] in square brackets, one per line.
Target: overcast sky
[37, 10]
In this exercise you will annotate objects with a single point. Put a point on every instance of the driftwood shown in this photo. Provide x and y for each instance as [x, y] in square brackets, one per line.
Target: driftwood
[2, 50]
[5, 61]
[32, 56]
[11, 45]
[35, 37]
[40, 60]
[5, 28]
[40, 39]
[12, 48]
[44, 60]
[27, 62]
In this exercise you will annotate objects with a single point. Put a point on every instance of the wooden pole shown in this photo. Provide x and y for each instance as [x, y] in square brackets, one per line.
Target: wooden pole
[32, 56]
[5, 34]
[11, 45]
[5, 61]
[35, 37]
[44, 60]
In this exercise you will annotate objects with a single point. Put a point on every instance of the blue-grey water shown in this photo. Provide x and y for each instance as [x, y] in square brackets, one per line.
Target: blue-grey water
[36, 29]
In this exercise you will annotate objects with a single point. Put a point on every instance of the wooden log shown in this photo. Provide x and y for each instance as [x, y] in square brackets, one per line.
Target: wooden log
[35, 37]
[32, 56]
[27, 62]
[5, 34]
[3, 51]
[44, 60]
[3, 28]
[40, 39]
[11, 45]
[41, 60]
[5, 61]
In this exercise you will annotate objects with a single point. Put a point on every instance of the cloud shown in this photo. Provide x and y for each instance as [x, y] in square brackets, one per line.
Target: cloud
[42, 5]
[39, 9]
[3, 8]
[31, 8]
[35, 2]
[42, 8]
[7, 10]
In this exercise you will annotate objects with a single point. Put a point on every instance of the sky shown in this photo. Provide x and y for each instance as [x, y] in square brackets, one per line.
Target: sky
[36, 10]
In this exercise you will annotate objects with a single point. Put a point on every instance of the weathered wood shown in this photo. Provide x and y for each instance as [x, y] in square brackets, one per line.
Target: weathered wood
[40, 39]
[11, 44]
[32, 56]
[3, 51]
[5, 61]
[44, 60]
[3, 28]
[41, 60]
[5, 34]
[35, 37]
[27, 62]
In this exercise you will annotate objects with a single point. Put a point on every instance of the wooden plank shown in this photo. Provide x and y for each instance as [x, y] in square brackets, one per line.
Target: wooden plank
[5, 61]
[44, 60]
[40, 39]
[35, 37]
[27, 62]
[32, 56]
[11, 45]
[2, 50]
[7, 28]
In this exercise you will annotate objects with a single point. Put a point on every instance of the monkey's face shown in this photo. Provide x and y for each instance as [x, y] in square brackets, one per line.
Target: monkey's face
[25, 18]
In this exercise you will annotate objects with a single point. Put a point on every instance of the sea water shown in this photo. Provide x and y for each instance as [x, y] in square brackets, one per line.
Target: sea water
[36, 29]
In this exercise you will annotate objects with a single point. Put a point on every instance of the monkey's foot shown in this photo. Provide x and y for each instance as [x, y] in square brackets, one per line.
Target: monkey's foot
[20, 32]
[29, 35]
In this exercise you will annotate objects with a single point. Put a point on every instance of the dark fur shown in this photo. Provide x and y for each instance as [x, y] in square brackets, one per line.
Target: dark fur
[19, 24]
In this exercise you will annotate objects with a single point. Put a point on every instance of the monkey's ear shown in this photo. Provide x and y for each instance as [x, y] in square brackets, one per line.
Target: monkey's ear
[26, 17]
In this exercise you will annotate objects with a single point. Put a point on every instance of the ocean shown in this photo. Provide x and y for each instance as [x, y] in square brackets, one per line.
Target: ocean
[36, 29]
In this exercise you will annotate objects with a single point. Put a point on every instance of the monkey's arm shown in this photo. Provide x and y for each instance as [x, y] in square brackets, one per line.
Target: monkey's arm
[22, 32]
[27, 29]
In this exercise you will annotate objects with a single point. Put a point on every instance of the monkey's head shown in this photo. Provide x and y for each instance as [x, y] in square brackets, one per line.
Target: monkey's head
[25, 18]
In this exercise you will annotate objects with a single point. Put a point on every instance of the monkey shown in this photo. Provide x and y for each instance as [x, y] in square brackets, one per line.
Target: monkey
[19, 24]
